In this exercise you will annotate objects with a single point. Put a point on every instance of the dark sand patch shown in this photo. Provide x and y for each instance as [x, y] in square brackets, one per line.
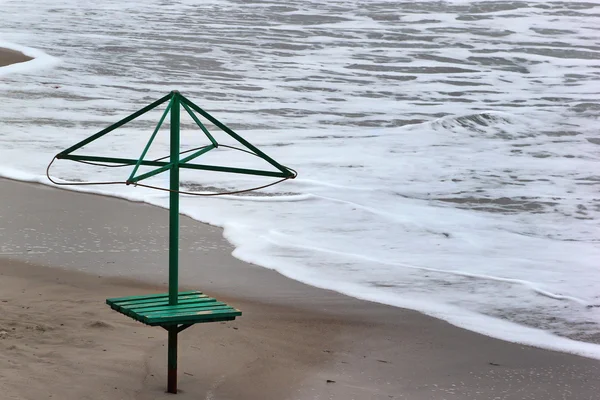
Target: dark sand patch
[8, 57]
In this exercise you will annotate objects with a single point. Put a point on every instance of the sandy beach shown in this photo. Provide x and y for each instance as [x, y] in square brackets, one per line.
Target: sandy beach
[60, 340]
[62, 253]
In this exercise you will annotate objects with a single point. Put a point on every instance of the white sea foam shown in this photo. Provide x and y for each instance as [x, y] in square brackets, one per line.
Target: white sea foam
[40, 59]
[447, 150]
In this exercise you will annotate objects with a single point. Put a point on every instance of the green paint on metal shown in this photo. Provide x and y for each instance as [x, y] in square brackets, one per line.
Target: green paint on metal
[200, 124]
[182, 305]
[197, 154]
[160, 122]
[237, 137]
[215, 168]
[176, 102]
[150, 173]
[174, 310]
[156, 310]
[185, 309]
[139, 304]
[112, 160]
[196, 316]
[116, 125]
[245, 171]
[174, 203]
[116, 300]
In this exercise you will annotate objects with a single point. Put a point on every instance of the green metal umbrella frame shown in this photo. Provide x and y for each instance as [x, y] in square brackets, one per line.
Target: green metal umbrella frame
[175, 310]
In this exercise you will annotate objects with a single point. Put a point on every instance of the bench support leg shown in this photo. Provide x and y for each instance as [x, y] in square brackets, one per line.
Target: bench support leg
[172, 360]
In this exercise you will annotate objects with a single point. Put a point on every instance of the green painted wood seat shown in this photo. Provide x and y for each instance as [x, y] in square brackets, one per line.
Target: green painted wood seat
[192, 308]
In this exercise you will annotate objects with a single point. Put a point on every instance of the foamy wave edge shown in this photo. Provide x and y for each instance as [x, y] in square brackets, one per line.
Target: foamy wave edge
[479, 323]
[39, 59]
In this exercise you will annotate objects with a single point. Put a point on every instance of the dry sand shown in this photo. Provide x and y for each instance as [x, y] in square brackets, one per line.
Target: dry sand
[59, 249]
[60, 340]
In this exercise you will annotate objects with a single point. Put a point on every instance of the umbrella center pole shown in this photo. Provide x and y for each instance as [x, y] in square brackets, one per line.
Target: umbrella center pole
[173, 241]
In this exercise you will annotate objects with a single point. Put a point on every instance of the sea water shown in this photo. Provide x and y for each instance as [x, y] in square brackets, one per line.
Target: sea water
[447, 150]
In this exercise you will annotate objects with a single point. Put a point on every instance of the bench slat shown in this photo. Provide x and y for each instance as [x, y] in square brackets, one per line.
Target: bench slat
[152, 303]
[178, 307]
[198, 315]
[162, 298]
[149, 296]
[186, 311]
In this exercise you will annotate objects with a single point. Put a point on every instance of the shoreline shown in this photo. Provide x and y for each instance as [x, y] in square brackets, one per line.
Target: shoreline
[517, 334]
[290, 340]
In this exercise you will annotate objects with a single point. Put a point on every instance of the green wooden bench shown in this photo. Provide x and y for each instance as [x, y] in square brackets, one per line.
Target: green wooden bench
[192, 308]
[173, 311]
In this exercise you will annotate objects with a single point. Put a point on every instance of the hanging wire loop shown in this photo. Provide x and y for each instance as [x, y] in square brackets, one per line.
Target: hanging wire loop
[128, 182]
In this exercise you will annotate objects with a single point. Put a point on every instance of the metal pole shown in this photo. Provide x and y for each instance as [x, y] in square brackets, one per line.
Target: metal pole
[173, 241]
[172, 361]
[174, 204]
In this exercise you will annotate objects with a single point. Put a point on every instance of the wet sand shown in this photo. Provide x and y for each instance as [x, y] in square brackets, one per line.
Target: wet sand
[8, 57]
[59, 339]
